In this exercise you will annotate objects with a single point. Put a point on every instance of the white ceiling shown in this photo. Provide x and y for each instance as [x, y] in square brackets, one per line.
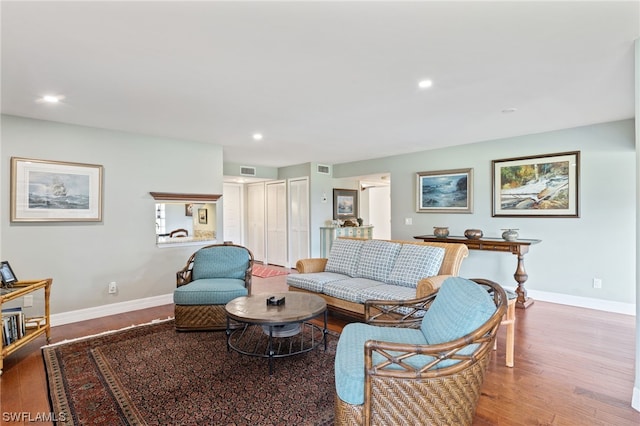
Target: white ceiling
[323, 81]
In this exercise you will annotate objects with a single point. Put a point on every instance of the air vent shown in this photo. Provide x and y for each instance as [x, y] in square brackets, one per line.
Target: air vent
[247, 171]
[325, 170]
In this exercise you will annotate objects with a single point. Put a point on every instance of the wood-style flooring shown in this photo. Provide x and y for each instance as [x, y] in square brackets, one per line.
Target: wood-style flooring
[573, 366]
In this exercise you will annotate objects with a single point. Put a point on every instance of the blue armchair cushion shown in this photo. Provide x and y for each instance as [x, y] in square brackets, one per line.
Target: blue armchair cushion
[209, 291]
[220, 262]
[460, 307]
[349, 362]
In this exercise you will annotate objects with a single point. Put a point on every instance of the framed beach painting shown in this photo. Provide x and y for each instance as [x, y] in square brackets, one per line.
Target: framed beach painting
[537, 186]
[445, 191]
[55, 191]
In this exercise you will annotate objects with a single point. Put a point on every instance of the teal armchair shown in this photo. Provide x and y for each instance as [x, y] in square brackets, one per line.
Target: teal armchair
[214, 275]
[421, 361]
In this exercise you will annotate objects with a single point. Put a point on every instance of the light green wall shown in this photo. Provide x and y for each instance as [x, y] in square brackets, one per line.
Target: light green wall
[601, 243]
[83, 258]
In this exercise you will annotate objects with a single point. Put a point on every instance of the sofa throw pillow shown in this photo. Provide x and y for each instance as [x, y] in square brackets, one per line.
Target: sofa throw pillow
[343, 256]
[415, 262]
[459, 308]
[376, 259]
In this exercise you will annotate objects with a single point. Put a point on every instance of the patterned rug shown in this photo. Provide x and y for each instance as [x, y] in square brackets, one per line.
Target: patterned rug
[153, 375]
[265, 271]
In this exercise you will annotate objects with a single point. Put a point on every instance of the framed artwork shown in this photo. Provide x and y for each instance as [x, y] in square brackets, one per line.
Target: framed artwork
[444, 191]
[8, 277]
[345, 204]
[202, 216]
[55, 191]
[537, 186]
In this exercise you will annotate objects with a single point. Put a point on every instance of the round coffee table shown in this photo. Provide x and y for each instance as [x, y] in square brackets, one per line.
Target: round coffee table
[276, 331]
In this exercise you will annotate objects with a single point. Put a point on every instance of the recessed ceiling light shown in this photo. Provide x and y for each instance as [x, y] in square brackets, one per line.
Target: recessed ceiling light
[257, 136]
[509, 110]
[425, 84]
[50, 99]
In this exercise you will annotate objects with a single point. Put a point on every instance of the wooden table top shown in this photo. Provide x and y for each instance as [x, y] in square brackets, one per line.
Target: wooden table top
[297, 307]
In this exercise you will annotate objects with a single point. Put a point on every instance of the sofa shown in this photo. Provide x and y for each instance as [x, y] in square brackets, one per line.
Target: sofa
[358, 270]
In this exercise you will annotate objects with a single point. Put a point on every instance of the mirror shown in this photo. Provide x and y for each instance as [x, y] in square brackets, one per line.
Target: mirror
[185, 222]
[185, 218]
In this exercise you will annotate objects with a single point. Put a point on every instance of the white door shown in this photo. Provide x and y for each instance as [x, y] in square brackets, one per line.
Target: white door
[232, 213]
[277, 223]
[298, 219]
[380, 211]
[256, 220]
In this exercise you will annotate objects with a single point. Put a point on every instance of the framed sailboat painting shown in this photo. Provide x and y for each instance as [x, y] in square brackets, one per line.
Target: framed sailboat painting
[55, 191]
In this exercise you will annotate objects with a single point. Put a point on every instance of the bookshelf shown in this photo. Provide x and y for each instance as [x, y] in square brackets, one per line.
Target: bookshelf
[34, 326]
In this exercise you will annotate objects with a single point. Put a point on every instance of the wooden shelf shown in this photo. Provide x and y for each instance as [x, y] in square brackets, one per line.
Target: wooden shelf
[36, 326]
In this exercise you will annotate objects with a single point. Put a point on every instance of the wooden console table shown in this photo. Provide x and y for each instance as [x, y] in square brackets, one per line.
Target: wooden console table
[517, 247]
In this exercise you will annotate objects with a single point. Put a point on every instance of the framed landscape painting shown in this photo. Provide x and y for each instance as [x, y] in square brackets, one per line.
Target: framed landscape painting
[445, 191]
[55, 191]
[537, 186]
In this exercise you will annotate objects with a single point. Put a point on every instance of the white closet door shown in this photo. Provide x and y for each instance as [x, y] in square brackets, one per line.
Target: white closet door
[233, 213]
[380, 211]
[298, 219]
[256, 220]
[277, 223]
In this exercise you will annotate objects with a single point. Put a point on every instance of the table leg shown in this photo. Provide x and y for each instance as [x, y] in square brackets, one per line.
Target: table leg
[521, 276]
[270, 349]
[228, 331]
[324, 330]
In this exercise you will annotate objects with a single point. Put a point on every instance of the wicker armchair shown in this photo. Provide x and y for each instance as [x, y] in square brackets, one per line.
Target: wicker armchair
[420, 361]
[214, 275]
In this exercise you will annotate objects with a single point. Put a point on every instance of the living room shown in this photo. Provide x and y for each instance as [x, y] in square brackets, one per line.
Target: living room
[84, 257]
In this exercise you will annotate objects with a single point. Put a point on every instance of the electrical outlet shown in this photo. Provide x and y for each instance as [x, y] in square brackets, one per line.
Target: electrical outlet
[113, 287]
[597, 283]
[408, 221]
[28, 300]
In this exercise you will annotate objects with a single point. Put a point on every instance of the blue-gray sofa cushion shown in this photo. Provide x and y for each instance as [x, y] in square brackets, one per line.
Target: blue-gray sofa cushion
[376, 259]
[344, 256]
[314, 281]
[349, 289]
[415, 262]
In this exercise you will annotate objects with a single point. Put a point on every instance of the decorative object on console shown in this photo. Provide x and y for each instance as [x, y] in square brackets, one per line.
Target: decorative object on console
[473, 234]
[55, 191]
[510, 234]
[441, 231]
[445, 191]
[537, 186]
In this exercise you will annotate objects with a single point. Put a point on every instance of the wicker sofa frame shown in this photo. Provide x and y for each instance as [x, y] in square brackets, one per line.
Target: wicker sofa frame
[204, 317]
[398, 393]
[453, 257]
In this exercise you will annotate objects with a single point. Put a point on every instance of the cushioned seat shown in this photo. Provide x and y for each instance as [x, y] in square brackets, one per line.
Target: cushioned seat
[213, 276]
[426, 375]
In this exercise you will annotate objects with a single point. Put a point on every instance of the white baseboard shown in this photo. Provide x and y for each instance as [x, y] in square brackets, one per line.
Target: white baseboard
[583, 302]
[111, 309]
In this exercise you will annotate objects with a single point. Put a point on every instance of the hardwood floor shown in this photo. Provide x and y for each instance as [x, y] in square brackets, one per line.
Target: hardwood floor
[573, 366]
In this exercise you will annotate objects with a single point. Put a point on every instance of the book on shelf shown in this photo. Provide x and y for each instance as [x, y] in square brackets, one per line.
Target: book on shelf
[13, 325]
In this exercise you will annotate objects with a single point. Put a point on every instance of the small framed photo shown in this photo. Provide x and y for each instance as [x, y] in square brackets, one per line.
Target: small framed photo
[202, 216]
[55, 191]
[8, 277]
[345, 204]
[537, 186]
[445, 191]
[188, 209]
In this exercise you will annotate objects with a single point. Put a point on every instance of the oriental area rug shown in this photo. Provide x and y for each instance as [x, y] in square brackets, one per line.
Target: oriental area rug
[153, 375]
